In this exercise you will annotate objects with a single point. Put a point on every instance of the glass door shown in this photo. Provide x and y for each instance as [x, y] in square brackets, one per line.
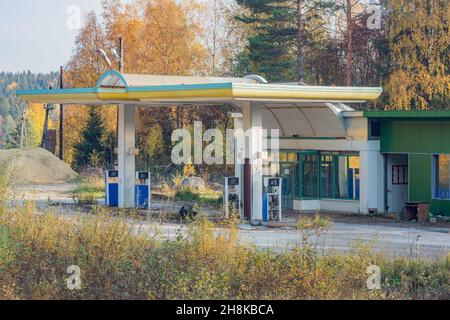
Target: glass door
[309, 176]
[287, 173]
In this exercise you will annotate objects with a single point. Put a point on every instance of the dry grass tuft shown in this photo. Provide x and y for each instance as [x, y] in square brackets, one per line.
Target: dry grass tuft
[316, 222]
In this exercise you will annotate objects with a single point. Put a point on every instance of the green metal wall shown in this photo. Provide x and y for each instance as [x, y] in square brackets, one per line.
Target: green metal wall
[421, 139]
[415, 136]
[420, 188]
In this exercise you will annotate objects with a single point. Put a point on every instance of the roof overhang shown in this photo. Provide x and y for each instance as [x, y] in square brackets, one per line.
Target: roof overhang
[113, 88]
[408, 114]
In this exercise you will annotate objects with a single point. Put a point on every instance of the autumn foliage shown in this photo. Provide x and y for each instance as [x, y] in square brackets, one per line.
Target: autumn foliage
[319, 42]
[119, 260]
[419, 42]
[160, 37]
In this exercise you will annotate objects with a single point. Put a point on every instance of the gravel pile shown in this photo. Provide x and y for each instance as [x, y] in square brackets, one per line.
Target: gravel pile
[35, 166]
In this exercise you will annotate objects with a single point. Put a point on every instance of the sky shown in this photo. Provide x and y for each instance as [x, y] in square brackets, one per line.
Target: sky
[39, 35]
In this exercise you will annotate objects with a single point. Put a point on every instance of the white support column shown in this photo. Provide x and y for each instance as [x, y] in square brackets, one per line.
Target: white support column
[239, 154]
[126, 155]
[371, 188]
[239, 144]
[252, 122]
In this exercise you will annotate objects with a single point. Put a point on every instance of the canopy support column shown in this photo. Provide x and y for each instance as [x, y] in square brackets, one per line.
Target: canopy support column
[126, 155]
[370, 181]
[252, 121]
[239, 155]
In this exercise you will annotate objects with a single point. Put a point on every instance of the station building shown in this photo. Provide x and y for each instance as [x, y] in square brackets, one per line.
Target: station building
[415, 146]
[373, 161]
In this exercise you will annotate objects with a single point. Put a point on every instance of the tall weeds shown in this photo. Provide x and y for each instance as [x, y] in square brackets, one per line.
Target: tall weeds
[119, 260]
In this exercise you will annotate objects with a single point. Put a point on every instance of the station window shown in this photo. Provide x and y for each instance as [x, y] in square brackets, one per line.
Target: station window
[374, 129]
[399, 174]
[339, 177]
[315, 175]
[328, 176]
[441, 169]
[310, 175]
[283, 156]
[288, 157]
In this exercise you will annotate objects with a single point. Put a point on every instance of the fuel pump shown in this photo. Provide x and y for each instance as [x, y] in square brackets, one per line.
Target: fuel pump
[272, 199]
[112, 188]
[232, 196]
[142, 192]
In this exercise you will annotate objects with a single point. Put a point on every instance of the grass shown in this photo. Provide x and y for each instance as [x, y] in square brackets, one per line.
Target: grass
[316, 222]
[186, 195]
[175, 190]
[118, 262]
[206, 196]
[87, 189]
[211, 197]
[91, 189]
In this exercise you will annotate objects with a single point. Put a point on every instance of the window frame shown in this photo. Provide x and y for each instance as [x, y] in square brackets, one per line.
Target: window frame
[372, 123]
[435, 180]
[403, 178]
[298, 191]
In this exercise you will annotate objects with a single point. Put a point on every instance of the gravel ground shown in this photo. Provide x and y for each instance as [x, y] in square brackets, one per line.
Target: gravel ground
[385, 235]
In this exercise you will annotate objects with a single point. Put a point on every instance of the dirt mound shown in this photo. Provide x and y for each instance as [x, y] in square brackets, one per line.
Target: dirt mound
[35, 166]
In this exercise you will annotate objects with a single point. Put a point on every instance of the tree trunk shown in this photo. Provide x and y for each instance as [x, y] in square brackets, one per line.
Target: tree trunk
[299, 40]
[349, 78]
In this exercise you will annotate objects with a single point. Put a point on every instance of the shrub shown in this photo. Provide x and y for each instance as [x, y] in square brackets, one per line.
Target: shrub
[189, 170]
[91, 189]
[186, 195]
[119, 261]
[316, 222]
[177, 181]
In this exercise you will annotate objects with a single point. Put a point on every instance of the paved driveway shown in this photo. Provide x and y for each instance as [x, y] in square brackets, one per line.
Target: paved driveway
[343, 238]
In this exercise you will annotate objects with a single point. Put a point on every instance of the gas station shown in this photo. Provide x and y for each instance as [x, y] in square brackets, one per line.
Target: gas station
[328, 160]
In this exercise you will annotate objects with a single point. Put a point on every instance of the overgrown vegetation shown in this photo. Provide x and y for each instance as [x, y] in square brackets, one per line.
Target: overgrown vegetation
[206, 196]
[177, 189]
[92, 188]
[118, 262]
[95, 145]
[316, 222]
[11, 106]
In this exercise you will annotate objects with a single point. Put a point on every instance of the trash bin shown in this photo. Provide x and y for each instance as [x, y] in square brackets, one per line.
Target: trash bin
[417, 211]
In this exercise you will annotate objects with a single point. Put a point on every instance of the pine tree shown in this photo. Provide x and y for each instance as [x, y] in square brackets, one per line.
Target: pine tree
[282, 32]
[92, 149]
[13, 136]
[271, 44]
[11, 106]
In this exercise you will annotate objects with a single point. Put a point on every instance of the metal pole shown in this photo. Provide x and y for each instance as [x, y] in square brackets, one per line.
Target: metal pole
[23, 128]
[121, 70]
[121, 57]
[61, 114]
[44, 132]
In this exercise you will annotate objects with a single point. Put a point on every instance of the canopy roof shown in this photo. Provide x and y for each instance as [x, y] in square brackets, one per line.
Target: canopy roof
[306, 120]
[114, 87]
[296, 110]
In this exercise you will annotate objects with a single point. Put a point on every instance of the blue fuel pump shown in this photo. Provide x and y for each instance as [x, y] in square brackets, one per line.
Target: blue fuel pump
[142, 192]
[112, 188]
